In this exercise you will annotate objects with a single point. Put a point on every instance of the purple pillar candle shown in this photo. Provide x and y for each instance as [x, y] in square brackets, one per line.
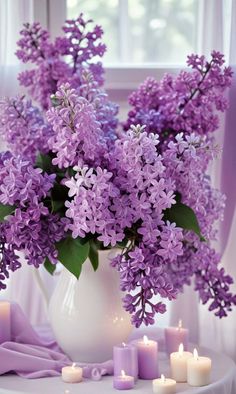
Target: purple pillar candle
[5, 323]
[174, 336]
[123, 382]
[125, 358]
[147, 358]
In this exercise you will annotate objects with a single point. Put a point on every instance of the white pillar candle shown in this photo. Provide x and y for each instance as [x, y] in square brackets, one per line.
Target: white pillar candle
[198, 370]
[164, 385]
[178, 364]
[72, 374]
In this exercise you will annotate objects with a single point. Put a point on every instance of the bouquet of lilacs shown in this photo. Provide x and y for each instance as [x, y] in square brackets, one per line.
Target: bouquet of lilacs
[74, 181]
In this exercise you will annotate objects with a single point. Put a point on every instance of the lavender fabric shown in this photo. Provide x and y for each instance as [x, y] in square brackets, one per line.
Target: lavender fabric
[34, 354]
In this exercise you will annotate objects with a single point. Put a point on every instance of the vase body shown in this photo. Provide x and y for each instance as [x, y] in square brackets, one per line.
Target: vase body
[86, 315]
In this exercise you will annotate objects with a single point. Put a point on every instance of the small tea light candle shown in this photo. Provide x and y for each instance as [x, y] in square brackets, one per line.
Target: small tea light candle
[5, 321]
[123, 381]
[125, 358]
[198, 370]
[72, 374]
[178, 364]
[147, 358]
[164, 386]
[174, 336]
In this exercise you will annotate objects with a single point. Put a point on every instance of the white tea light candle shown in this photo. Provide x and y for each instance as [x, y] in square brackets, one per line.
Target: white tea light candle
[72, 374]
[178, 364]
[164, 385]
[198, 370]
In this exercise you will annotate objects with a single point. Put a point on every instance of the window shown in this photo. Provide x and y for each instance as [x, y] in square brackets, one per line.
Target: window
[143, 31]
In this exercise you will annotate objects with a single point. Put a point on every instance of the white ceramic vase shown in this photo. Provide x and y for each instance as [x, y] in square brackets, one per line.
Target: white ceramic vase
[86, 315]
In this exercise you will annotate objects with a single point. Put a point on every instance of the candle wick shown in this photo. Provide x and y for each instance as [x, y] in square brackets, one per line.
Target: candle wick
[163, 379]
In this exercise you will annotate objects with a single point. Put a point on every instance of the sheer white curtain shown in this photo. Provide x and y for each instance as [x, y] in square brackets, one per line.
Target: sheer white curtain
[13, 13]
[218, 32]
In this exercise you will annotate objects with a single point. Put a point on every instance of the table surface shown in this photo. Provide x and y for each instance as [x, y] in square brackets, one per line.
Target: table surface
[223, 381]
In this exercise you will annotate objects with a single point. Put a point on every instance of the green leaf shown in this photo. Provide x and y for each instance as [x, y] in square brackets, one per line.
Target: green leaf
[57, 205]
[54, 100]
[93, 255]
[5, 210]
[184, 217]
[59, 192]
[178, 197]
[49, 266]
[72, 254]
[122, 244]
[44, 162]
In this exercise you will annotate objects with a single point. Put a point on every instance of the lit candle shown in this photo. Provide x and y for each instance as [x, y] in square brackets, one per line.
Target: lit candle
[72, 374]
[174, 336]
[164, 385]
[198, 370]
[147, 358]
[125, 358]
[178, 364]
[123, 381]
[5, 322]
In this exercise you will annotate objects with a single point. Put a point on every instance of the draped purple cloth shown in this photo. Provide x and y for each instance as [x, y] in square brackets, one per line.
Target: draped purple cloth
[34, 353]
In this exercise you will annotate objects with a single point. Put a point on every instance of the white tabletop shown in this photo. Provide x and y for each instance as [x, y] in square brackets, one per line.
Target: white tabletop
[223, 381]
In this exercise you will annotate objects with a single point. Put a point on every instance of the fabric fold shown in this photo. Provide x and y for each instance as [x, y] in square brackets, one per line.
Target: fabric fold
[35, 354]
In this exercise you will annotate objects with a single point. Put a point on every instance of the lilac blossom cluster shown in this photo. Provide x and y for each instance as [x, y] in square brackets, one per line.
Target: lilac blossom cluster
[127, 200]
[186, 162]
[30, 226]
[23, 128]
[112, 188]
[181, 111]
[78, 136]
[61, 60]
[185, 103]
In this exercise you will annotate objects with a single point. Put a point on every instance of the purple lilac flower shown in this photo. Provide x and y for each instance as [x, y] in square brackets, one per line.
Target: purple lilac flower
[9, 260]
[21, 184]
[31, 228]
[78, 138]
[186, 162]
[184, 103]
[23, 128]
[119, 183]
[35, 231]
[106, 111]
[143, 276]
[80, 45]
[130, 198]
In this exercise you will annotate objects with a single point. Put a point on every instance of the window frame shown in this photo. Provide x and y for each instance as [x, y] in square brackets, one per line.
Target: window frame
[120, 79]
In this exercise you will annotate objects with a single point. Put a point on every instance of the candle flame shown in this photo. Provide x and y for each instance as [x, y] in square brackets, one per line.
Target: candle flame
[195, 354]
[122, 373]
[181, 349]
[180, 325]
[163, 379]
[145, 339]
[124, 344]
[73, 365]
